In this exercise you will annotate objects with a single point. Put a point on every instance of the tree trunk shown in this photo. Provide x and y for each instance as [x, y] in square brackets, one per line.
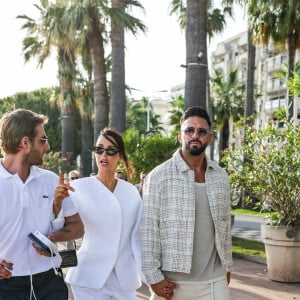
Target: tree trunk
[249, 104]
[224, 138]
[67, 104]
[87, 143]
[98, 61]
[196, 53]
[210, 113]
[118, 98]
[291, 62]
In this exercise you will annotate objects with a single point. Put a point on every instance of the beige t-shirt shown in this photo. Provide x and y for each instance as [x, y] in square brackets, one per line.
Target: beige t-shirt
[206, 263]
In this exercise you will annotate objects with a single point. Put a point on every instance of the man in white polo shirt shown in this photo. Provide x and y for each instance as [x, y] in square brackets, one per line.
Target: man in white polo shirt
[31, 199]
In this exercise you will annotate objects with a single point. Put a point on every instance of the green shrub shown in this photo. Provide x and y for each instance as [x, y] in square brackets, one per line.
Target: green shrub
[267, 166]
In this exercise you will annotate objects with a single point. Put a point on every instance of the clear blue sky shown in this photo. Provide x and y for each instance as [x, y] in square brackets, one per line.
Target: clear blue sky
[152, 59]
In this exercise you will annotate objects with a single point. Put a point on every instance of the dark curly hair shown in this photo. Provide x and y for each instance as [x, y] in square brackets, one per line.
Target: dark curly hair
[195, 111]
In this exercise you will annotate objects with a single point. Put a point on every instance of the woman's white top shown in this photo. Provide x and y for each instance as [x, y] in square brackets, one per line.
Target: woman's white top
[111, 239]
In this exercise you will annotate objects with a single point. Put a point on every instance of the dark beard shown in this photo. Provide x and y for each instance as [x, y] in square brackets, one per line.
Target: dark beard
[194, 151]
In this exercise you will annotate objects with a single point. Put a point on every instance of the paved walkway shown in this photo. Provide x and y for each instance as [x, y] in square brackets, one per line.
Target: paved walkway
[247, 226]
[249, 234]
[249, 281]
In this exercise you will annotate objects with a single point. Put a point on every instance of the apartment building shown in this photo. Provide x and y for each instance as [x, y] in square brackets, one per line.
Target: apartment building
[232, 54]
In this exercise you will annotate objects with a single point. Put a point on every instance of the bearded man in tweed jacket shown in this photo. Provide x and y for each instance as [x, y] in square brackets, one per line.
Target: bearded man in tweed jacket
[186, 223]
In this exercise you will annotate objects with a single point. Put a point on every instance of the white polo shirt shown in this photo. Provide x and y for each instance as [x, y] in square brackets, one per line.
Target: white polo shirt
[24, 208]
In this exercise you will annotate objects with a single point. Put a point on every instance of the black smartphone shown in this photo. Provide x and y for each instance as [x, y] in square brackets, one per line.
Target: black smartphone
[40, 244]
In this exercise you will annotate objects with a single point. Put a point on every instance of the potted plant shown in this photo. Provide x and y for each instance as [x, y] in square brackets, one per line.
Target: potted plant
[266, 167]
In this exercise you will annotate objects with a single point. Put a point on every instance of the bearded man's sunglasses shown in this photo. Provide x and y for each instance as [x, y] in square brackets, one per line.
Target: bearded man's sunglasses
[191, 131]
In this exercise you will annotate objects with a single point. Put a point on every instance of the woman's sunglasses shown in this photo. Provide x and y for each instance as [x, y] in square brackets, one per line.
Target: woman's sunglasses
[109, 151]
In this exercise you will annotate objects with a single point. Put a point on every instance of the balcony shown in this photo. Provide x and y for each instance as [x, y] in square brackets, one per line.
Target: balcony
[275, 85]
[276, 63]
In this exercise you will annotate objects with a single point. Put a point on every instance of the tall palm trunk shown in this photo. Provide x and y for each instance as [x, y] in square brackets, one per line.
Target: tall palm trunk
[98, 61]
[87, 143]
[196, 53]
[118, 99]
[249, 104]
[66, 63]
[291, 63]
[210, 113]
[224, 138]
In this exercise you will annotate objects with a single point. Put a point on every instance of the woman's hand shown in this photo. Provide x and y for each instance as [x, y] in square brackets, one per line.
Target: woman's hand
[61, 192]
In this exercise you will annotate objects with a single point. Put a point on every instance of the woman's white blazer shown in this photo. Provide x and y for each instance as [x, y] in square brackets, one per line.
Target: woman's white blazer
[111, 238]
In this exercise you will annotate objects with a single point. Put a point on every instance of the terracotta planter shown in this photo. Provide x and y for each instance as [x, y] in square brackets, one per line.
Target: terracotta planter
[282, 245]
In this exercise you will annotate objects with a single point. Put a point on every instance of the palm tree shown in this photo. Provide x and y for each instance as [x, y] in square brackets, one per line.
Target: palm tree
[279, 21]
[84, 94]
[87, 139]
[176, 111]
[89, 20]
[136, 117]
[67, 71]
[215, 16]
[228, 103]
[200, 20]
[85, 20]
[249, 103]
[120, 20]
[118, 98]
[196, 53]
[42, 34]
[215, 24]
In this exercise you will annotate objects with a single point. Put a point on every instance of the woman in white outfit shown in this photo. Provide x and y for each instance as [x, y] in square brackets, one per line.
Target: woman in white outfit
[110, 208]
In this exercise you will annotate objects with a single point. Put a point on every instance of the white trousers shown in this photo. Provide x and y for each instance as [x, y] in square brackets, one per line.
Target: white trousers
[212, 290]
[110, 291]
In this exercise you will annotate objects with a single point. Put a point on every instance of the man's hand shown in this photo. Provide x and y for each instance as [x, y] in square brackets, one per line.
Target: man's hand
[40, 251]
[5, 269]
[61, 192]
[164, 288]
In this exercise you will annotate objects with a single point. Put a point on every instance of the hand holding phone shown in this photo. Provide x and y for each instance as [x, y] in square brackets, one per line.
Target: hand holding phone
[43, 243]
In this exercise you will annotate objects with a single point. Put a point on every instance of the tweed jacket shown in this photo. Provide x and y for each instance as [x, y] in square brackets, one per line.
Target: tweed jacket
[167, 227]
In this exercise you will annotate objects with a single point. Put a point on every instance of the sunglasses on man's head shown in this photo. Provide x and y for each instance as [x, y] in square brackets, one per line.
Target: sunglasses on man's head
[191, 130]
[73, 178]
[109, 151]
